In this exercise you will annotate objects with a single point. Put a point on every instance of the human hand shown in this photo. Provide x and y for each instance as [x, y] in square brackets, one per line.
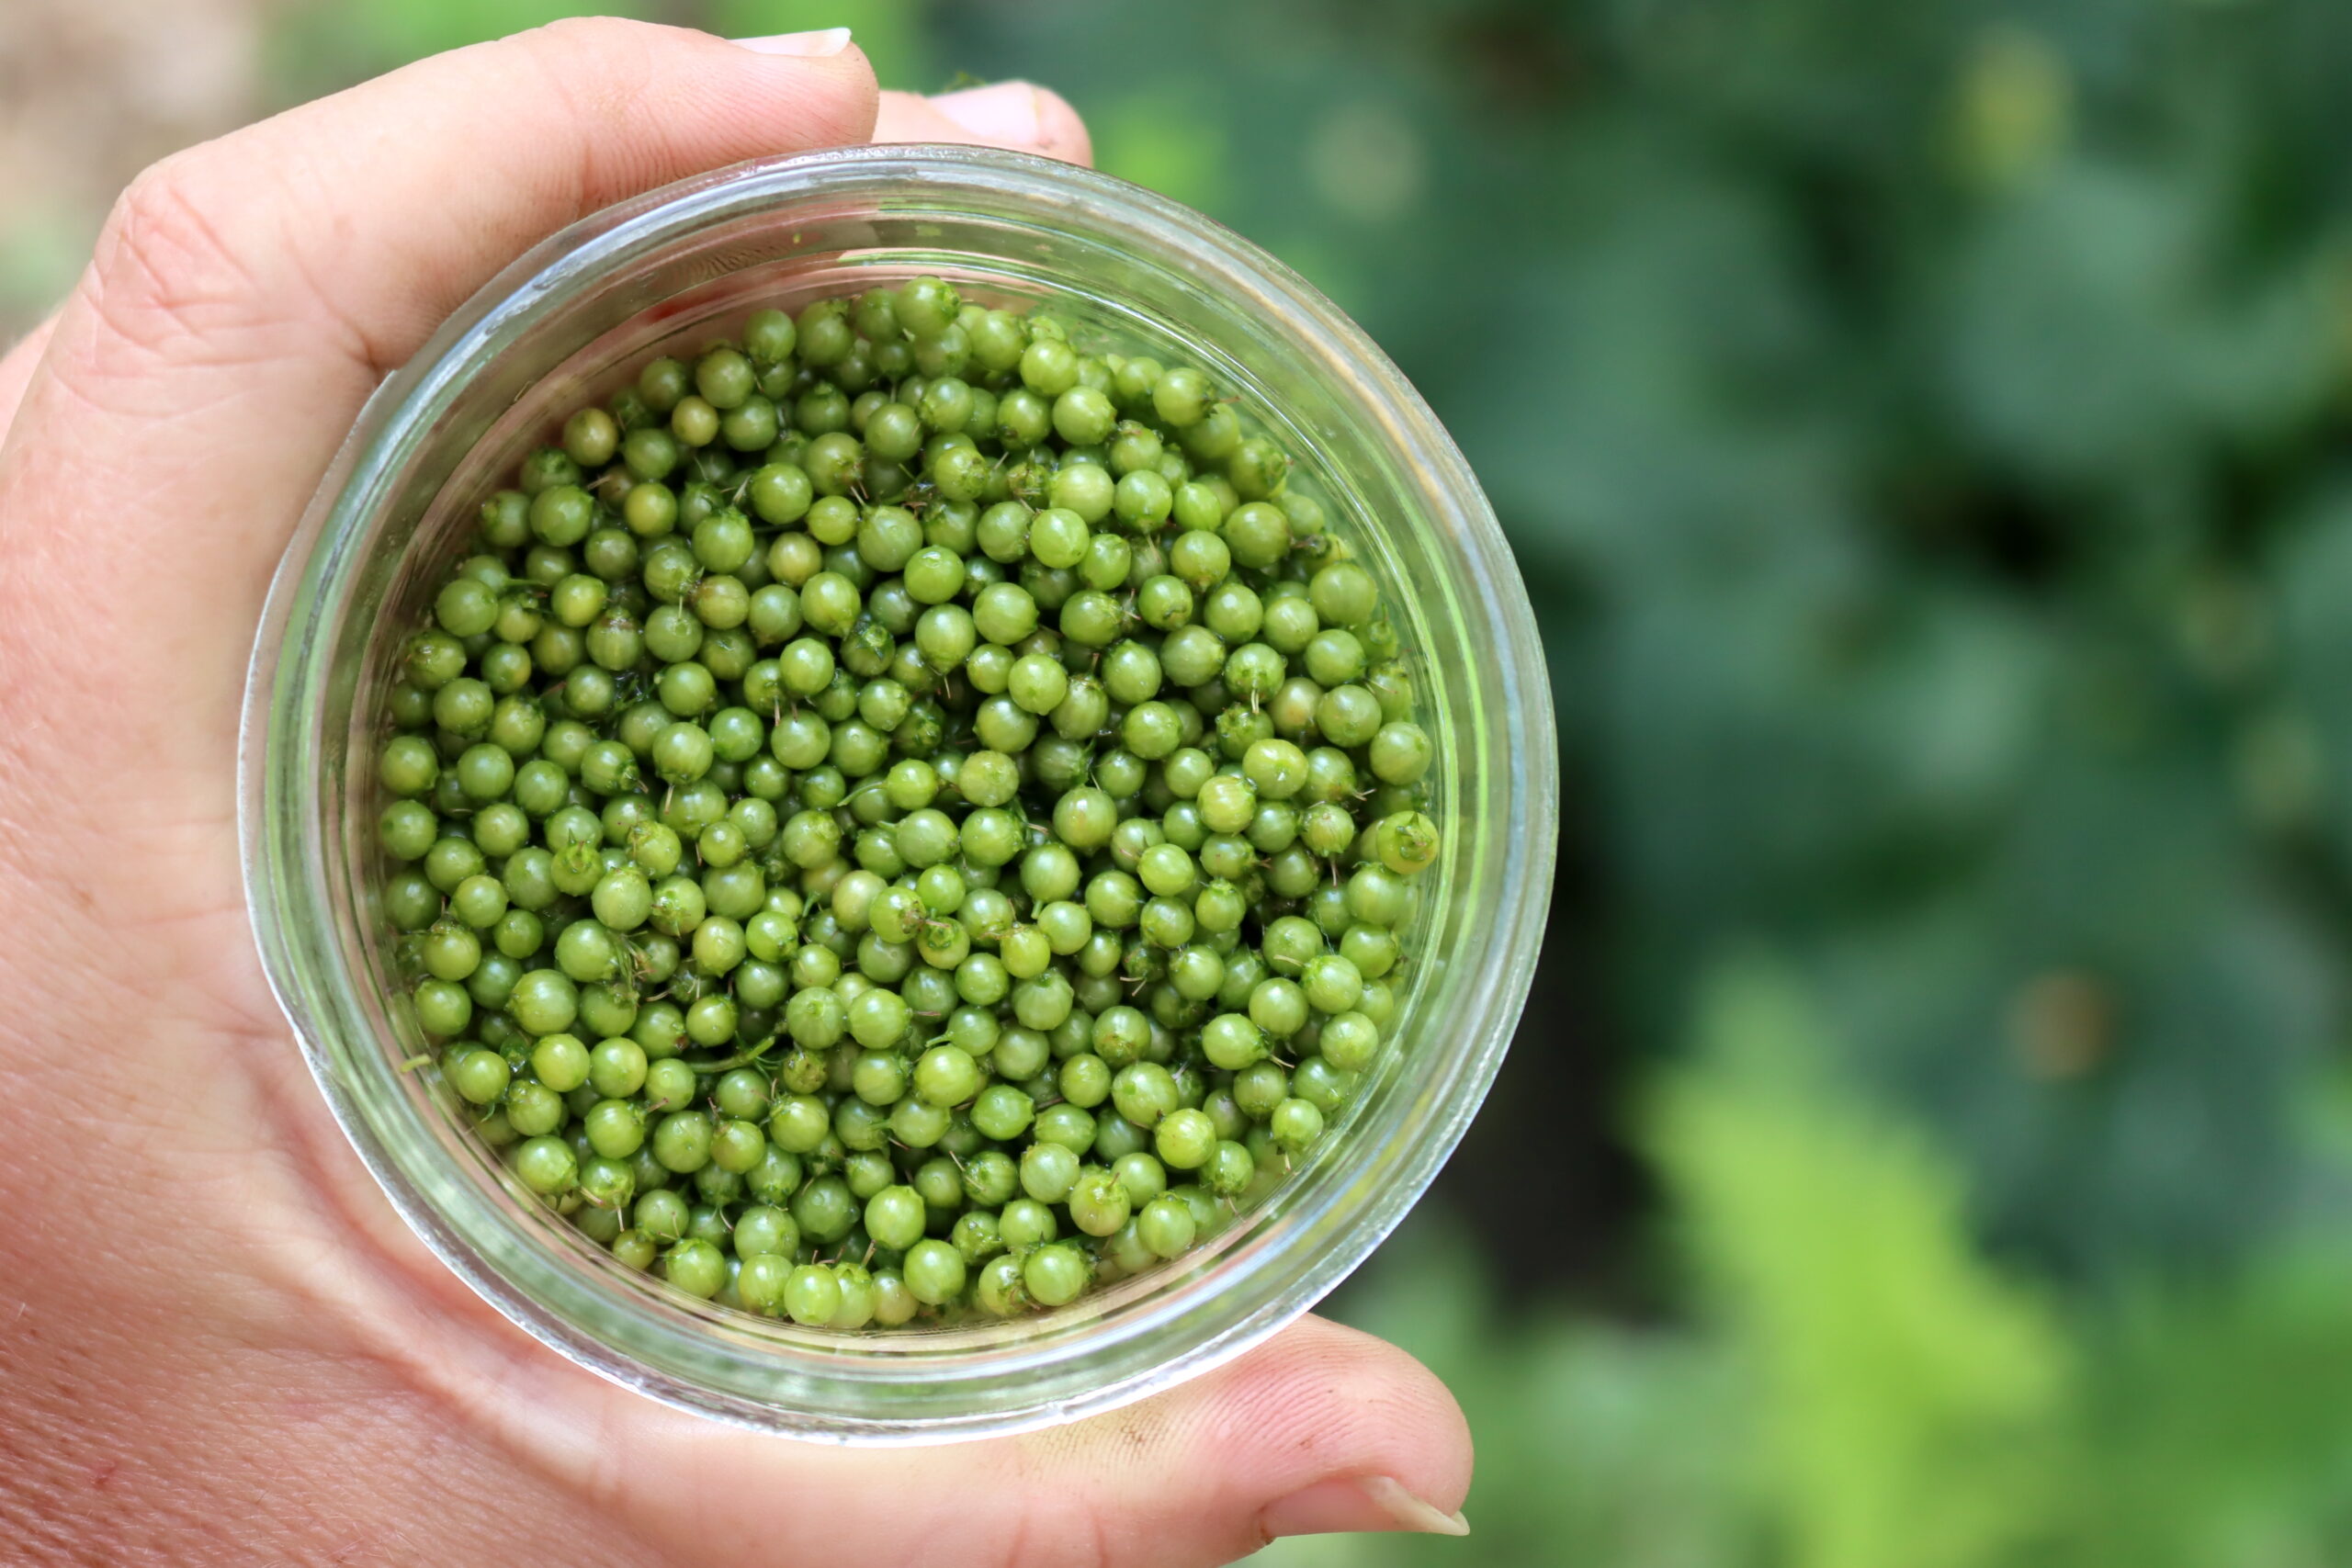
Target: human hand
[217, 1342]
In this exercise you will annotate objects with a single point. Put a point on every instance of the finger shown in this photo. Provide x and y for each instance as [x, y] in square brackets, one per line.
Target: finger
[1322, 1429]
[245, 299]
[375, 213]
[16, 370]
[1014, 115]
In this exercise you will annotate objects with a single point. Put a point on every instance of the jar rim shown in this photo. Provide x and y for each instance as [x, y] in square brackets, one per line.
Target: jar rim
[1214, 1313]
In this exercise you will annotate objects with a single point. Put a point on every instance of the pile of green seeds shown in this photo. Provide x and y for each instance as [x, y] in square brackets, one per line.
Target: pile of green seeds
[903, 819]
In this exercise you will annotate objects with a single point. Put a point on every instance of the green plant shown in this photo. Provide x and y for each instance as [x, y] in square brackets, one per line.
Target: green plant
[1909, 1396]
[1861, 1383]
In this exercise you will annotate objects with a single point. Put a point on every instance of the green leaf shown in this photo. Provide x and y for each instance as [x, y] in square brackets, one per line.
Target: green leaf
[1911, 1396]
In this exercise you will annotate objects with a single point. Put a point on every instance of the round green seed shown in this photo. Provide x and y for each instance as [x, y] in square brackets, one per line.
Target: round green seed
[955, 778]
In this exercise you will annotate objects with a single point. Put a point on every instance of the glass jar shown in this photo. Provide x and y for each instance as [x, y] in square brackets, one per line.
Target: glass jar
[567, 323]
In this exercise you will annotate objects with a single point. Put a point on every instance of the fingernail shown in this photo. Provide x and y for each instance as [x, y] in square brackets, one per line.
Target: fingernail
[1356, 1504]
[1001, 112]
[807, 46]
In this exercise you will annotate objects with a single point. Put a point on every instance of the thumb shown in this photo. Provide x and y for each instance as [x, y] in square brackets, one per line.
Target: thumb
[1321, 1430]
[247, 295]
[352, 226]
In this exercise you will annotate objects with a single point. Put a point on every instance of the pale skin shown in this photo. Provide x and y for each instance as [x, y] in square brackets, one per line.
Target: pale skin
[216, 1343]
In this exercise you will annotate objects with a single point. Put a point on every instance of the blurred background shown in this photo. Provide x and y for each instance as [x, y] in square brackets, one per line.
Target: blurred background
[1926, 432]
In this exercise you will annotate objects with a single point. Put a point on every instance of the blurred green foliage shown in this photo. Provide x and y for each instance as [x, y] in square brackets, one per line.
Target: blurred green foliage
[1866, 1386]
[1908, 1395]
[322, 46]
[319, 46]
[1924, 431]
[41, 250]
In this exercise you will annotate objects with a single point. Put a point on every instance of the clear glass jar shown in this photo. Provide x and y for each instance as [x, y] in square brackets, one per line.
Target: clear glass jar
[567, 323]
